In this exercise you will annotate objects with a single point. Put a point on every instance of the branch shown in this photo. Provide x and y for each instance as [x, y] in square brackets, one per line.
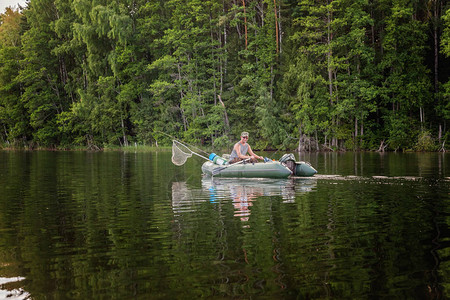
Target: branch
[442, 149]
[382, 146]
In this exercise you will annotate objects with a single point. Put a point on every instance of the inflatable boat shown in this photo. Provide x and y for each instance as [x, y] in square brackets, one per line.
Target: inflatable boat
[285, 167]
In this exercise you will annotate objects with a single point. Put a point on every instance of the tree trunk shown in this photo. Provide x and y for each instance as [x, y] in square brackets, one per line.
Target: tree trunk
[183, 117]
[276, 23]
[245, 25]
[280, 31]
[329, 56]
[382, 147]
[227, 123]
[85, 72]
[361, 134]
[272, 78]
[436, 60]
[212, 50]
[440, 133]
[223, 65]
[436, 16]
[422, 116]
[442, 149]
[125, 140]
[317, 142]
[300, 139]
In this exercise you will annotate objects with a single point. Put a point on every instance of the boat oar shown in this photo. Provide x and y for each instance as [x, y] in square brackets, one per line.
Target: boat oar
[218, 170]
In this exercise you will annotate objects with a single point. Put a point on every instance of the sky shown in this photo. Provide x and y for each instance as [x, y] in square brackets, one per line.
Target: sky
[5, 3]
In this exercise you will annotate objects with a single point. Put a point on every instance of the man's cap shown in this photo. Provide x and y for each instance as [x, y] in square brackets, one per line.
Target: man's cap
[244, 133]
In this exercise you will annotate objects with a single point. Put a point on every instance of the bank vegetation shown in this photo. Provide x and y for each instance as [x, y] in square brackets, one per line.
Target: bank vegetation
[304, 74]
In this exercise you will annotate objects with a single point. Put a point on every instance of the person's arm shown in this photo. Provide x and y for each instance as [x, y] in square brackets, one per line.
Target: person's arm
[253, 154]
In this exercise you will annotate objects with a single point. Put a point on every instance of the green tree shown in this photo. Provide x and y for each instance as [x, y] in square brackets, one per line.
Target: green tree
[295, 73]
[43, 95]
[406, 86]
[14, 121]
[443, 107]
[188, 76]
[104, 29]
[355, 86]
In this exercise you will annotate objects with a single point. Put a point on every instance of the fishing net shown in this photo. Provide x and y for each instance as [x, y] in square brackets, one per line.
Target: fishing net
[180, 153]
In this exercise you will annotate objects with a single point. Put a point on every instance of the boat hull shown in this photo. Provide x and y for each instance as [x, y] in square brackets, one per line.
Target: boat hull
[272, 169]
[304, 169]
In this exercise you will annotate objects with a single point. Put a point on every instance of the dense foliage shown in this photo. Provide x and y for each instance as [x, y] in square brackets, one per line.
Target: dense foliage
[305, 74]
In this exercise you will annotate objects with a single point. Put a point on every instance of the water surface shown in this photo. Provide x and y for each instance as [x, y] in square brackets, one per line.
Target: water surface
[81, 225]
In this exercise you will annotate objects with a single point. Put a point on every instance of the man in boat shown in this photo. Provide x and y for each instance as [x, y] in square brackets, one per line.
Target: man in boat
[240, 150]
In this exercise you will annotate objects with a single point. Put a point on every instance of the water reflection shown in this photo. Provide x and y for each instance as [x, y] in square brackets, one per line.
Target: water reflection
[115, 226]
[10, 290]
[242, 192]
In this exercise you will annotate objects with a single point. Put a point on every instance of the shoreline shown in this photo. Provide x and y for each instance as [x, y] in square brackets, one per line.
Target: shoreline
[142, 148]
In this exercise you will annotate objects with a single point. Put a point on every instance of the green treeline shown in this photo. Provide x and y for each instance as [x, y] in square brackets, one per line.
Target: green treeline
[303, 74]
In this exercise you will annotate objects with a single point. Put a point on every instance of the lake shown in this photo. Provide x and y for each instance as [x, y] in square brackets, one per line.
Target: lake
[113, 225]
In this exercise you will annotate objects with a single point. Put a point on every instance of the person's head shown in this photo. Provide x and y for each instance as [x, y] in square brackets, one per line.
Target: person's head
[244, 136]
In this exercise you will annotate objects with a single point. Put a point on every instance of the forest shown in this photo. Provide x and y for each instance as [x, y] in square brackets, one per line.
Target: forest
[310, 75]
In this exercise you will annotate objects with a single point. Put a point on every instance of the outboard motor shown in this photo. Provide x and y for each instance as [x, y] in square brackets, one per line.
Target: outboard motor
[302, 168]
[289, 161]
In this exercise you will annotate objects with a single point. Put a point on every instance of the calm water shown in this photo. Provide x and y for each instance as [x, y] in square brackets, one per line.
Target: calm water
[79, 225]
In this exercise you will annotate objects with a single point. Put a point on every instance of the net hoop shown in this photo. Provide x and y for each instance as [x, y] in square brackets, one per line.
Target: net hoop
[180, 153]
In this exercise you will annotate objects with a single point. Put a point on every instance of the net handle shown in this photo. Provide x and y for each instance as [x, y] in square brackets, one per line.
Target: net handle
[187, 147]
